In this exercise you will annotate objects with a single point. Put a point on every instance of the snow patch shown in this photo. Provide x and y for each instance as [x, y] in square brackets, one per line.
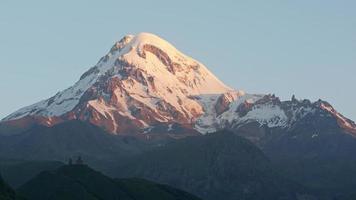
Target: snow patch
[270, 115]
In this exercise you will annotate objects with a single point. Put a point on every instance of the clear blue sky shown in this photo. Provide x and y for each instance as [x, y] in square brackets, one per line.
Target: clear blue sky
[304, 47]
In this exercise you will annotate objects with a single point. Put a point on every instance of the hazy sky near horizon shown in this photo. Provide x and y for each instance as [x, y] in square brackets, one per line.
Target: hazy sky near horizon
[304, 47]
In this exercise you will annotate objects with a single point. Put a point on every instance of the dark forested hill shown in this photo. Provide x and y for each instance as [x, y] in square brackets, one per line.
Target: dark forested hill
[79, 182]
[6, 193]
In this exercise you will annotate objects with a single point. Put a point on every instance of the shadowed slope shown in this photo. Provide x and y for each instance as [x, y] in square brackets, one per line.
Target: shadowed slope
[213, 166]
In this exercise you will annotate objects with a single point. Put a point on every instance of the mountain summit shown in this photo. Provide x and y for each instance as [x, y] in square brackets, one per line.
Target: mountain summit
[145, 85]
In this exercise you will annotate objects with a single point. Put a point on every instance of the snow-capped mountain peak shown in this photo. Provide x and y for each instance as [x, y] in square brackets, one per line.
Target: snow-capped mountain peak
[142, 79]
[144, 84]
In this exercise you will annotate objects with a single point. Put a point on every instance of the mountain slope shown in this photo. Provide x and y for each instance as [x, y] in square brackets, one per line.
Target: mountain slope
[220, 165]
[69, 139]
[316, 153]
[313, 148]
[80, 182]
